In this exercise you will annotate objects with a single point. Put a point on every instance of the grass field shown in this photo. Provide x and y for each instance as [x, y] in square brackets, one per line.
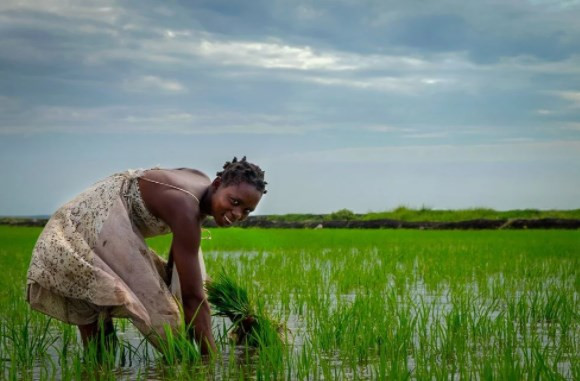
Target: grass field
[372, 304]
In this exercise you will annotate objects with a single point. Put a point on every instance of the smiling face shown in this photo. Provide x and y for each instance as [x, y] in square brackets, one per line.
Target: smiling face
[232, 203]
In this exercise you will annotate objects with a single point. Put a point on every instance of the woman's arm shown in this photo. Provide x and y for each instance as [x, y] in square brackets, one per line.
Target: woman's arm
[185, 251]
[181, 212]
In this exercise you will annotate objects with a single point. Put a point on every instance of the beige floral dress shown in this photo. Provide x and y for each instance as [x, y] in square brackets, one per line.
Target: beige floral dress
[91, 261]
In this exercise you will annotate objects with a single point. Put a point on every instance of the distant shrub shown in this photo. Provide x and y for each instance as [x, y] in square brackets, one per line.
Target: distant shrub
[342, 215]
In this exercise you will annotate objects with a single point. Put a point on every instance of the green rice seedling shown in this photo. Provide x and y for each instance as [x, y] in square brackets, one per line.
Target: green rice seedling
[177, 347]
[251, 324]
[360, 304]
[26, 340]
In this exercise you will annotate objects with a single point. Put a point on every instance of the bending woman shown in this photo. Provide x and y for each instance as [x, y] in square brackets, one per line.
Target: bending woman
[91, 262]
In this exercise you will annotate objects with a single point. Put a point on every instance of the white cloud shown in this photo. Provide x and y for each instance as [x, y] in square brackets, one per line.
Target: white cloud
[188, 48]
[124, 119]
[575, 126]
[146, 44]
[308, 13]
[168, 117]
[136, 39]
[101, 57]
[8, 103]
[426, 135]
[571, 96]
[271, 55]
[518, 140]
[376, 72]
[107, 11]
[386, 128]
[171, 33]
[403, 84]
[183, 44]
[58, 114]
[153, 83]
[528, 64]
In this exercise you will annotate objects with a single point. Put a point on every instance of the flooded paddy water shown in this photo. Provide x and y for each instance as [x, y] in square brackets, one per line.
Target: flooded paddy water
[356, 304]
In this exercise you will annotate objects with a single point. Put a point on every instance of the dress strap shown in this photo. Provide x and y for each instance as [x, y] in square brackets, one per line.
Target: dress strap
[170, 186]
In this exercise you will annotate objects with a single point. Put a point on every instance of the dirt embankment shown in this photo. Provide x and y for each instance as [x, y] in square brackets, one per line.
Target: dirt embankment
[265, 222]
[542, 223]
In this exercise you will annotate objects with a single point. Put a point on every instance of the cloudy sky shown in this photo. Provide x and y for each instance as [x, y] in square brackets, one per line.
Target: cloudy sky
[364, 105]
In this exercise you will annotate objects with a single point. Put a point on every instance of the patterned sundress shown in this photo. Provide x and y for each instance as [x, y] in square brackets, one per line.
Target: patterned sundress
[91, 261]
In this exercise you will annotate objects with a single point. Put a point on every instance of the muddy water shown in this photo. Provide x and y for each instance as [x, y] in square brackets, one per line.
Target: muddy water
[140, 361]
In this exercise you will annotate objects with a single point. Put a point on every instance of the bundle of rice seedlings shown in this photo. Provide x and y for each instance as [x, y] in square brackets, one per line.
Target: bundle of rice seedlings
[251, 324]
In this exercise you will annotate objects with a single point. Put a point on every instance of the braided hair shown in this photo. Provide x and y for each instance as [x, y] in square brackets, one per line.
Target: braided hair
[242, 171]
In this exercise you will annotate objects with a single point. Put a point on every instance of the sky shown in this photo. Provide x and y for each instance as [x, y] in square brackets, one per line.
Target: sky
[365, 105]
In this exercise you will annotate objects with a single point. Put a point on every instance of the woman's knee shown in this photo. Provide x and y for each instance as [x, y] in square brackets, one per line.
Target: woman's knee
[101, 327]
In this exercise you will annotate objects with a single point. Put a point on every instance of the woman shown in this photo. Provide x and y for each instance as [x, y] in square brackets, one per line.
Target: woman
[91, 262]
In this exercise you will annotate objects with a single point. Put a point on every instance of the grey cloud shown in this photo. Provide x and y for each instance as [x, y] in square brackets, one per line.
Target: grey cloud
[441, 80]
[486, 30]
[279, 57]
[443, 32]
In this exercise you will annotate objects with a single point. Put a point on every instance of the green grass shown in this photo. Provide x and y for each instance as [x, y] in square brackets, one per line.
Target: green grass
[359, 304]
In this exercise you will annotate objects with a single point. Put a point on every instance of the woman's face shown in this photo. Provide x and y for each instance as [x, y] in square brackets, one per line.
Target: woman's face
[233, 203]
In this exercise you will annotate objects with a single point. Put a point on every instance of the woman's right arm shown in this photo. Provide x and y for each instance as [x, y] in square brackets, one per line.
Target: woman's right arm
[185, 252]
[181, 212]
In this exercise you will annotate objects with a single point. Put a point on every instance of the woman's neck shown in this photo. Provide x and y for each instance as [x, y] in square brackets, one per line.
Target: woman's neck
[205, 203]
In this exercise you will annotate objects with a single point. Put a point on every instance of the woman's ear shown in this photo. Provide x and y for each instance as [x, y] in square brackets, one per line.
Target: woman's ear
[216, 182]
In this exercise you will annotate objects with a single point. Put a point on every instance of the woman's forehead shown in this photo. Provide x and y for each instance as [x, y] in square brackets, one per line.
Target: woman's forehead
[243, 190]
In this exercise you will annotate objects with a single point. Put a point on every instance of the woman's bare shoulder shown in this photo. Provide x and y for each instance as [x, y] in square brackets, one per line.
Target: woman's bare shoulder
[158, 183]
[167, 193]
[194, 171]
[176, 174]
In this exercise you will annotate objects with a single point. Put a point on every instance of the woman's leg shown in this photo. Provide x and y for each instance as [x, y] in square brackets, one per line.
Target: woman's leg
[102, 334]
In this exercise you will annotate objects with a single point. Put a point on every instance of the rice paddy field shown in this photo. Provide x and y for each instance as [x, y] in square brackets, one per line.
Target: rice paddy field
[357, 304]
